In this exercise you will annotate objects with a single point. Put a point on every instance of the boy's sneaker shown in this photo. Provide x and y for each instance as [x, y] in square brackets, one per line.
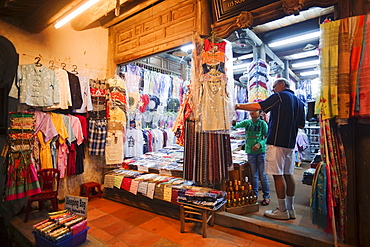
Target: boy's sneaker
[292, 213]
[265, 202]
[277, 214]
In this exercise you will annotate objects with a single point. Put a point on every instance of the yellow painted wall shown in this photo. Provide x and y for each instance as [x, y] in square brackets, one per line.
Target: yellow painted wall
[86, 49]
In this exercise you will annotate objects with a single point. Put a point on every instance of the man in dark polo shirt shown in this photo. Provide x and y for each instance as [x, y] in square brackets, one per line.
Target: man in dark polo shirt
[286, 116]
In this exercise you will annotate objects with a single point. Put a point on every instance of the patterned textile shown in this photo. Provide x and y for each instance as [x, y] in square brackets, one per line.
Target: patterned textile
[207, 156]
[319, 205]
[97, 136]
[345, 68]
[329, 69]
[21, 178]
[362, 100]
[332, 151]
[356, 50]
[183, 115]
[346, 36]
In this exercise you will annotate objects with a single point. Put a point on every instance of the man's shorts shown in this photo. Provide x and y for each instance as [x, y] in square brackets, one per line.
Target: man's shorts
[279, 160]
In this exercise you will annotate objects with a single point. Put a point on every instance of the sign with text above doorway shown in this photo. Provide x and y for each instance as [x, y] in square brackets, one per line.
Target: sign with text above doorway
[76, 205]
[225, 9]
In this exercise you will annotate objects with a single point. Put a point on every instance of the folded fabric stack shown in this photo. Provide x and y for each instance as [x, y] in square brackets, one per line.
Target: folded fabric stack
[167, 188]
[258, 80]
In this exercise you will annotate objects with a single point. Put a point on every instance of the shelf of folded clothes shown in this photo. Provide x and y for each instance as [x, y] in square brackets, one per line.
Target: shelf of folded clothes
[168, 188]
[168, 161]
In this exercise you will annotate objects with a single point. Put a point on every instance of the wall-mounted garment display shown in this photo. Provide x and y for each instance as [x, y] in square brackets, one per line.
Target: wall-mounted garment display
[86, 95]
[75, 87]
[80, 153]
[117, 119]
[60, 142]
[97, 136]
[39, 86]
[98, 98]
[35, 86]
[21, 178]
[45, 131]
[65, 99]
[114, 147]
[78, 140]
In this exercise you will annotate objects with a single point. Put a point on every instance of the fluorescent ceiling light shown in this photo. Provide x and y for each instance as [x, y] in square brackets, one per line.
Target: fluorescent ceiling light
[75, 13]
[243, 65]
[187, 47]
[302, 55]
[312, 72]
[306, 64]
[295, 39]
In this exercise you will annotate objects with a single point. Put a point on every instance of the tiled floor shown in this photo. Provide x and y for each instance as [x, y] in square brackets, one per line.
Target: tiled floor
[116, 224]
[301, 201]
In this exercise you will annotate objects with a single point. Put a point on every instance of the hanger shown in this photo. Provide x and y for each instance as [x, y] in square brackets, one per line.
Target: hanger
[74, 69]
[63, 65]
[51, 65]
[214, 38]
[37, 63]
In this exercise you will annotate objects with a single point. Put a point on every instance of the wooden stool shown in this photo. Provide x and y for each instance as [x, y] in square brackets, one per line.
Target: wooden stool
[188, 212]
[91, 190]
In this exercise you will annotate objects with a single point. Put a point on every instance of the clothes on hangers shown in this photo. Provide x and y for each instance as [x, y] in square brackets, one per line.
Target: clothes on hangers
[21, 179]
[65, 99]
[35, 86]
[86, 95]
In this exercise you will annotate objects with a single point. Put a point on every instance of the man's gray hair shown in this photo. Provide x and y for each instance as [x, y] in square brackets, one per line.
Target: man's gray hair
[286, 82]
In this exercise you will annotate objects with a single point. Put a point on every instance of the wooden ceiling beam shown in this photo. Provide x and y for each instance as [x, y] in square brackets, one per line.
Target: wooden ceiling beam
[126, 11]
[90, 17]
[103, 13]
[48, 14]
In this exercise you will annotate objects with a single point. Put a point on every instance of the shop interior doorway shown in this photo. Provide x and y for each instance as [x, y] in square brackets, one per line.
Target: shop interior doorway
[299, 61]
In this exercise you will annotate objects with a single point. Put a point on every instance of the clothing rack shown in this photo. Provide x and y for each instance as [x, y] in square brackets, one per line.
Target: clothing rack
[157, 68]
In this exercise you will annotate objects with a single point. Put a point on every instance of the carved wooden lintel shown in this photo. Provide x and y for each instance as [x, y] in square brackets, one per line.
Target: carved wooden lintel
[273, 11]
[243, 20]
[292, 6]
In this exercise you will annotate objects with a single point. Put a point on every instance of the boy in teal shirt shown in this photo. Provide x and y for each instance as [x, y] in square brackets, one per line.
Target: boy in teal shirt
[255, 147]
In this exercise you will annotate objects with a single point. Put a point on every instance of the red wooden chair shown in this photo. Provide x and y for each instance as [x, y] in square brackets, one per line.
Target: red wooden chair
[49, 183]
